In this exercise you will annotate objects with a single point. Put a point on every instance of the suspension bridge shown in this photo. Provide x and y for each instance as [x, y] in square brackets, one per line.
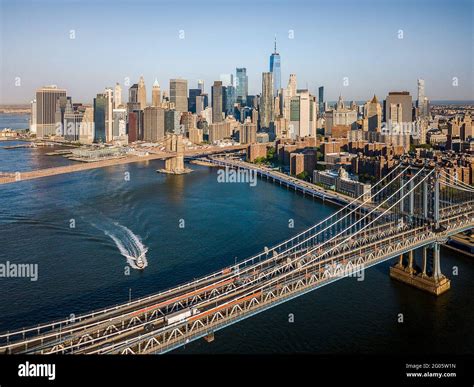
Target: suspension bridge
[415, 206]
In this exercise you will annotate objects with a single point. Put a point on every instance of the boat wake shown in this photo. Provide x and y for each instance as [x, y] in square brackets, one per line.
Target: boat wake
[129, 244]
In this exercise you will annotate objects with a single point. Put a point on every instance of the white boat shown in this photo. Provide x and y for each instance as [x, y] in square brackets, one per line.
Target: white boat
[139, 261]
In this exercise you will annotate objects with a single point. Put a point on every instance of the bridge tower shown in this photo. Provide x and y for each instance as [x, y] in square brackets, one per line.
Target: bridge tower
[425, 217]
[175, 165]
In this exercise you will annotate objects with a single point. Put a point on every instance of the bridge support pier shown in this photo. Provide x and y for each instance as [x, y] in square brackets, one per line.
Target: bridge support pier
[433, 282]
[209, 337]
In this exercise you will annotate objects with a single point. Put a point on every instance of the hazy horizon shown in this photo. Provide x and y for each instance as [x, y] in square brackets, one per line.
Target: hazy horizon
[352, 48]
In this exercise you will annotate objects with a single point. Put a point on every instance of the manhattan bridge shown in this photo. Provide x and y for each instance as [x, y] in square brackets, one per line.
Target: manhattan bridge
[415, 206]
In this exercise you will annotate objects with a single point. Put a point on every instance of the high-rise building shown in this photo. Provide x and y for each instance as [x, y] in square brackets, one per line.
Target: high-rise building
[179, 94]
[201, 85]
[402, 98]
[172, 121]
[109, 108]
[201, 103]
[156, 94]
[228, 100]
[422, 103]
[154, 124]
[266, 102]
[275, 69]
[72, 122]
[248, 132]
[227, 79]
[59, 114]
[421, 90]
[46, 100]
[133, 93]
[321, 100]
[217, 110]
[241, 84]
[193, 93]
[86, 131]
[132, 126]
[135, 125]
[373, 116]
[289, 93]
[33, 117]
[141, 93]
[303, 114]
[117, 95]
[340, 116]
[119, 124]
[100, 107]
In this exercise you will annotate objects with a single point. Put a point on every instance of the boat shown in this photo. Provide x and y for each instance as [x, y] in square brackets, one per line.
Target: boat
[139, 261]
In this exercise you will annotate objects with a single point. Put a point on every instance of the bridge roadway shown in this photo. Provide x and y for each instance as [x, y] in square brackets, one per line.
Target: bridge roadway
[226, 296]
[6, 178]
[288, 281]
[99, 323]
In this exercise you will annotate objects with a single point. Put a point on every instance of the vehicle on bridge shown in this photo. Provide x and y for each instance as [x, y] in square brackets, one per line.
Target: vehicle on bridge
[181, 315]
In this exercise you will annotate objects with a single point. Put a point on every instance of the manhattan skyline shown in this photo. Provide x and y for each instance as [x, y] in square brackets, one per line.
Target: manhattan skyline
[373, 48]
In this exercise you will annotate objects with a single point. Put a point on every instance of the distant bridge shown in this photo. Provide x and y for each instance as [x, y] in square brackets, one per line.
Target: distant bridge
[13, 177]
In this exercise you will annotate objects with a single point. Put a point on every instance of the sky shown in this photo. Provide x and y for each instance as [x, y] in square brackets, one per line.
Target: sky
[352, 48]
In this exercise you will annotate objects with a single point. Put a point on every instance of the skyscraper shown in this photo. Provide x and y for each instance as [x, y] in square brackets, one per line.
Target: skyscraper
[133, 93]
[201, 85]
[46, 99]
[302, 114]
[266, 102]
[228, 100]
[135, 125]
[109, 108]
[72, 122]
[141, 93]
[193, 93]
[275, 69]
[421, 90]
[59, 114]
[33, 117]
[179, 94]
[289, 92]
[117, 95]
[321, 100]
[154, 123]
[422, 102]
[201, 103]
[373, 115]
[119, 122]
[404, 111]
[100, 103]
[241, 86]
[156, 94]
[216, 101]
[227, 79]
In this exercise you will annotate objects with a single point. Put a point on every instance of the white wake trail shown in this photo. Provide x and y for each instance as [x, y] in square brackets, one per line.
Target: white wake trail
[129, 244]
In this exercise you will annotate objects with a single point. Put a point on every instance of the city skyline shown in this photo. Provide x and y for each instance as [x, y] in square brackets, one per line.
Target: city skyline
[389, 53]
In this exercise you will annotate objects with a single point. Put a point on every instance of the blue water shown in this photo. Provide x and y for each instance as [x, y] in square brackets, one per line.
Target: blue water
[28, 159]
[14, 121]
[83, 268]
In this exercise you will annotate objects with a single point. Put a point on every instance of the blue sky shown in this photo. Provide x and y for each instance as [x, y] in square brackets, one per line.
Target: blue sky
[115, 40]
